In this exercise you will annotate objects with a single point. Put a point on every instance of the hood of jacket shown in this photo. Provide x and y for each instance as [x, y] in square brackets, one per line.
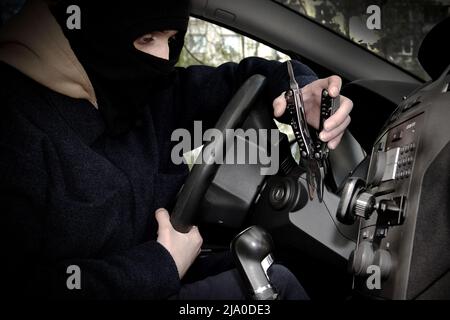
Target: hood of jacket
[34, 43]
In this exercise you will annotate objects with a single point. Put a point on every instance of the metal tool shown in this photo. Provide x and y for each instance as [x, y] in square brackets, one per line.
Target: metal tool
[313, 151]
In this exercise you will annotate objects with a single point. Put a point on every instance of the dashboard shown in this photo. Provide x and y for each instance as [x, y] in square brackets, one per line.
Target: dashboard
[402, 207]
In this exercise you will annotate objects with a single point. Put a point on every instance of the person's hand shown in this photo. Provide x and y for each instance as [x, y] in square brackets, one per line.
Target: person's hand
[183, 247]
[335, 126]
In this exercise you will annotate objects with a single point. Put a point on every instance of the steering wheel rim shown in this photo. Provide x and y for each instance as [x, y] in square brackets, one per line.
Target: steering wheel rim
[186, 208]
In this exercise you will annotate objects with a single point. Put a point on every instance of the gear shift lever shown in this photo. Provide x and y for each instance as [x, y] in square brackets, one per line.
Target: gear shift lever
[252, 251]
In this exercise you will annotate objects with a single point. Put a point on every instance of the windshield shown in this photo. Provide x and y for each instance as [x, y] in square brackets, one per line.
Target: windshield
[392, 29]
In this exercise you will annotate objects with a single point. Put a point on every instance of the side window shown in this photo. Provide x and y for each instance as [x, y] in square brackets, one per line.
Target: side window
[210, 44]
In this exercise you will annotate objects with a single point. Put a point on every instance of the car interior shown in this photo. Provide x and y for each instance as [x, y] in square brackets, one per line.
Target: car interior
[386, 201]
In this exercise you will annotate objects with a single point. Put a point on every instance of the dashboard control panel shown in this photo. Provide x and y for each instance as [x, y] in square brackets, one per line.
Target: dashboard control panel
[403, 206]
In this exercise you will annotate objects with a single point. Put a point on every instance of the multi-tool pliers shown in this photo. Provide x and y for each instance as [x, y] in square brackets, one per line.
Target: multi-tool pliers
[313, 151]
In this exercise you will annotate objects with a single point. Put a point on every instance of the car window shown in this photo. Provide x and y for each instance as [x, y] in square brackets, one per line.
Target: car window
[392, 29]
[210, 44]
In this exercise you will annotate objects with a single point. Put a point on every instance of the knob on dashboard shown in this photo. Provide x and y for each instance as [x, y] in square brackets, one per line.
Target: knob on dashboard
[383, 259]
[355, 201]
[362, 258]
[364, 205]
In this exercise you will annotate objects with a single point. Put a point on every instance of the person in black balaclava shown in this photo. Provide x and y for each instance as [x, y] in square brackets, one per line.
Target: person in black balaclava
[85, 151]
[124, 78]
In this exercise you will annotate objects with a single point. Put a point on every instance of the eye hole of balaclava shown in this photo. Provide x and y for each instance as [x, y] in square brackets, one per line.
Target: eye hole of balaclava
[175, 45]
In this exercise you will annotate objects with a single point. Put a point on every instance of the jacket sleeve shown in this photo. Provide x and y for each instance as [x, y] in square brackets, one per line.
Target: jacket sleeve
[205, 91]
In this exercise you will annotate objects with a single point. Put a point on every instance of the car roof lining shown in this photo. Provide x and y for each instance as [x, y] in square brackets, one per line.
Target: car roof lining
[323, 46]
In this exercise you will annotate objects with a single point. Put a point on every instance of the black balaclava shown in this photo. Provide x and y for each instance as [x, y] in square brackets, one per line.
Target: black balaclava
[123, 77]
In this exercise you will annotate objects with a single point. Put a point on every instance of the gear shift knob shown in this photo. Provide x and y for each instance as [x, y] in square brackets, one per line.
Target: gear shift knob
[252, 251]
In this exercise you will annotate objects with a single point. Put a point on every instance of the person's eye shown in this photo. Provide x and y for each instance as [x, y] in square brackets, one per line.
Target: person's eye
[146, 39]
[172, 39]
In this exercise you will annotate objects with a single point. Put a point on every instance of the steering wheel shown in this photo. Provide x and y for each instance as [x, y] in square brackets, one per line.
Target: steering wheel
[184, 214]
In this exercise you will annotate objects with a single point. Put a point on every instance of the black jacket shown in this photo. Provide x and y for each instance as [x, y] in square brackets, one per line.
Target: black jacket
[71, 195]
